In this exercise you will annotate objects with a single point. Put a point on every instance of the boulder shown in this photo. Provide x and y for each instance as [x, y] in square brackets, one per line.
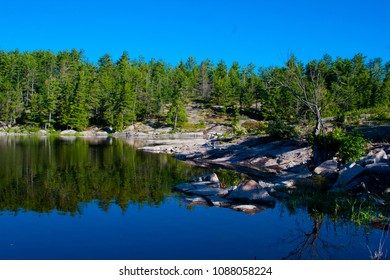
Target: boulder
[269, 187]
[102, 133]
[347, 175]
[372, 158]
[210, 177]
[327, 168]
[249, 191]
[289, 180]
[68, 132]
[358, 184]
[130, 128]
[249, 185]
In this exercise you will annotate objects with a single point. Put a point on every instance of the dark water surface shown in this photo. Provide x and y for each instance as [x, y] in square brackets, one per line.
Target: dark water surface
[101, 199]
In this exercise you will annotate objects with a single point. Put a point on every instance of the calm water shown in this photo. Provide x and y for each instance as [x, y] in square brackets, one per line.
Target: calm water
[90, 199]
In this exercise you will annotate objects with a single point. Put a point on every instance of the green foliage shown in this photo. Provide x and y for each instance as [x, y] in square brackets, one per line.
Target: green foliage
[177, 116]
[279, 129]
[251, 126]
[238, 130]
[64, 90]
[69, 176]
[337, 206]
[194, 126]
[346, 146]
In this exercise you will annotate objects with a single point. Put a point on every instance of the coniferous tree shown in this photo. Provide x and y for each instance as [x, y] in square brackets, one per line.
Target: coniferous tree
[205, 75]
[177, 114]
[222, 86]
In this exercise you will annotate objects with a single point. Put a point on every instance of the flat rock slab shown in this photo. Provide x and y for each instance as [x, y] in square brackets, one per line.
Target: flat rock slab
[184, 187]
[208, 192]
[256, 195]
[378, 168]
[219, 201]
[203, 185]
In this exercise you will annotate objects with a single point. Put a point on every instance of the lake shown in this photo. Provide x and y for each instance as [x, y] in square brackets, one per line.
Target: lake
[78, 198]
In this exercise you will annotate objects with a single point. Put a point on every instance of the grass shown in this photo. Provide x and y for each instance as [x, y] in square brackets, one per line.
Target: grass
[338, 206]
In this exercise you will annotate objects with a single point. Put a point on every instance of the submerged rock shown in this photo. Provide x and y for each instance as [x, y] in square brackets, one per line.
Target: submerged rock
[249, 209]
[196, 200]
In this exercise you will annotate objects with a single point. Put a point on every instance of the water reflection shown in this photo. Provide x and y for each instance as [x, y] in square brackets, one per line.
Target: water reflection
[53, 191]
[45, 174]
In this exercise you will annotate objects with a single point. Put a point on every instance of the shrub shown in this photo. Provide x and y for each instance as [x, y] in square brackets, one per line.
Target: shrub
[251, 126]
[346, 146]
[239, 130]
[279, 129]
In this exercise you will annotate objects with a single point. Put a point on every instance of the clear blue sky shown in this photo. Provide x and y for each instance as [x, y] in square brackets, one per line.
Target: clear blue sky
[258, 31]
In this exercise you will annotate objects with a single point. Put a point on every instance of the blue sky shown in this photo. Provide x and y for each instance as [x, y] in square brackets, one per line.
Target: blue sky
[261, 32]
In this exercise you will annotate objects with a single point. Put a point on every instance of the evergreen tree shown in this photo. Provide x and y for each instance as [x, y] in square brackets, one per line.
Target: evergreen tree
[107, 87]
[177, 115]
[125, 99]
[222, 86]
[205, 75]
[234, 93]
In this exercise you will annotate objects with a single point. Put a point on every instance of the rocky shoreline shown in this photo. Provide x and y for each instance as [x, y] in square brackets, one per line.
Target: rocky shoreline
[280, 167]
[275, 165]
[248, 197]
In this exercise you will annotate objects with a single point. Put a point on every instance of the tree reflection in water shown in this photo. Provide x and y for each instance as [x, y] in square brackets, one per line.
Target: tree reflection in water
[65, 173]
[46, 174]
[306, 244]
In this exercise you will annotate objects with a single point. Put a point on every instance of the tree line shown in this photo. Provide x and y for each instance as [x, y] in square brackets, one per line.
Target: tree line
[64, 90]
